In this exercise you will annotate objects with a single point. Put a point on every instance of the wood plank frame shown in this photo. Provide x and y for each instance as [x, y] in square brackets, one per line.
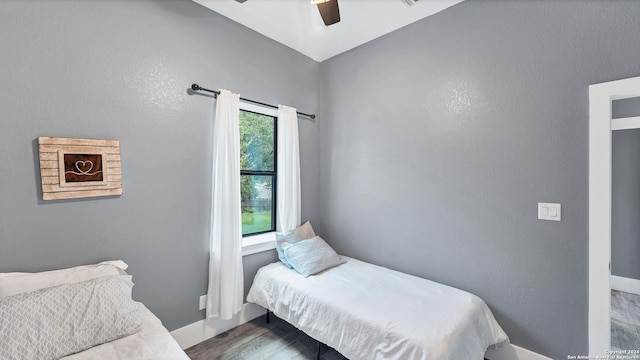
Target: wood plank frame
[52, 171]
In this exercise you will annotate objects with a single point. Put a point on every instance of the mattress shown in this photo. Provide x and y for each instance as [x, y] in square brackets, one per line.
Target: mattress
[369, 312]
[152, 343]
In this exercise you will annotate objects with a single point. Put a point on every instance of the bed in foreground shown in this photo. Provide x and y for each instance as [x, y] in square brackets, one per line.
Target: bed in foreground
[369, 312]
[80, 313]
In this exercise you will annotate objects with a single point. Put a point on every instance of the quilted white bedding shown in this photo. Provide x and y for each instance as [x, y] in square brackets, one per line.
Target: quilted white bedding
[370, 312]
[152, 343]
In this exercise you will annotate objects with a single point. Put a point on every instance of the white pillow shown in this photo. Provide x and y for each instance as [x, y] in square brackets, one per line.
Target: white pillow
[50, 323]
[309, 257]
[302, 232]
[18, 283]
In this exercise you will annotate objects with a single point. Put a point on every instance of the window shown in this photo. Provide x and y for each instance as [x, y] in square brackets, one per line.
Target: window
[257, 172]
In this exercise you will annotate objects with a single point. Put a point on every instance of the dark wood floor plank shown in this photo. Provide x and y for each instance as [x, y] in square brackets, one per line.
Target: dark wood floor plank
[205, 351]
[257, 340]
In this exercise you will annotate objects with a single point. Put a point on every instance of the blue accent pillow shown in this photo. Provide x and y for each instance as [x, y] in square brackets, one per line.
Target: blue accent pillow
[309, 257]
[302, 232]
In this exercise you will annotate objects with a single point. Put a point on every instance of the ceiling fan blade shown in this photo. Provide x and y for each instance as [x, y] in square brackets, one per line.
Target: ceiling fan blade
[329, 11]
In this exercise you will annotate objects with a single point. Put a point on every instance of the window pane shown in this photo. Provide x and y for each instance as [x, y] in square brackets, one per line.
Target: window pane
[257, 205]
[256, 142]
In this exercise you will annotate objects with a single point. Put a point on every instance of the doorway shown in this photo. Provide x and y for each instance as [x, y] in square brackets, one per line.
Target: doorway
[601, 126]
[625, 229]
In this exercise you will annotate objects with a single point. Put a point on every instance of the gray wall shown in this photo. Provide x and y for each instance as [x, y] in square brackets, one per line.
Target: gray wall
[440, 138]
[120, 70]
[625, 108]
[625, 190]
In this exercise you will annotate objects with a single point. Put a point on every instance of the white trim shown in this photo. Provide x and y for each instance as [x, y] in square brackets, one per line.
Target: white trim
[258, 109]
[599, 217]
[513, 352]
[625, 284]
[258, 243]
[202, 330]
[600, 127]
[625, 123]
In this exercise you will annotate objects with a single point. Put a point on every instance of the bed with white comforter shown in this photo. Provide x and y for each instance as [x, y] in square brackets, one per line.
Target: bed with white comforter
[370, 312]
[80, 313]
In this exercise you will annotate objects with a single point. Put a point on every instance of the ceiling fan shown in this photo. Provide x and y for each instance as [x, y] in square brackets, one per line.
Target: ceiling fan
[328, 9]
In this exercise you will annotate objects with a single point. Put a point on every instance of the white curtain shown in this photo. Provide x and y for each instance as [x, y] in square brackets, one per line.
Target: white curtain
[226, 288]
[288, 169]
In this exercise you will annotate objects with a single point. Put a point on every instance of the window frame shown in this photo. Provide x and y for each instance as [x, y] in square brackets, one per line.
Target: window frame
[265, 240]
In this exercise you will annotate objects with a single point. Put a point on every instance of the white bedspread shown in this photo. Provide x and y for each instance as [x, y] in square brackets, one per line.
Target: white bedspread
[370, 312]
[152, 343]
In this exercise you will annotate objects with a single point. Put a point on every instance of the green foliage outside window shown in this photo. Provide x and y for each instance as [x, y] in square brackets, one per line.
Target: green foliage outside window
[257, 154]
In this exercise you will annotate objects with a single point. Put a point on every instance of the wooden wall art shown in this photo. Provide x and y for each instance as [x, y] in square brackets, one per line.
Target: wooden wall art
[79, 168]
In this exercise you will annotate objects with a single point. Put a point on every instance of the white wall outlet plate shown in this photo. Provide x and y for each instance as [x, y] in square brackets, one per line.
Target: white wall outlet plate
[203, 302]
[549, 211]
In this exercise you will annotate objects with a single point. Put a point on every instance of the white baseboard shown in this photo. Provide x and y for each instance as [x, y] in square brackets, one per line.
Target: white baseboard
[625, 284]
[513, 352]
[202, 330]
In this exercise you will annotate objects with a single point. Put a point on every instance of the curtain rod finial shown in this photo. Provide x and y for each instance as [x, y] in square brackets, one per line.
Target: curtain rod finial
[195, 87]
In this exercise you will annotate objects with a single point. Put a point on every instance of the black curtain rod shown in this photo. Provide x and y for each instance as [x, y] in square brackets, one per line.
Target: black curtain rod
[197, 87]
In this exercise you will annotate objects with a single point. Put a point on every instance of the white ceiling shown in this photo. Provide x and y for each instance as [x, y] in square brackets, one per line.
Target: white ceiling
[298, 25]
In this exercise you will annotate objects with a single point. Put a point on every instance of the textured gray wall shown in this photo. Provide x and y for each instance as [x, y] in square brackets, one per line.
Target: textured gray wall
[625, 206]
[440, 138]
[120, 70]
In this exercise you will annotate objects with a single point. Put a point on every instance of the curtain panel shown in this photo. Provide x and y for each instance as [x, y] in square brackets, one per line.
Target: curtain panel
[288, 178]
[226, 288]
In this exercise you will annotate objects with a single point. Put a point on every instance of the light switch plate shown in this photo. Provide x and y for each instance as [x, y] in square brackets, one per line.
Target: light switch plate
[203, 302]
[549, 211]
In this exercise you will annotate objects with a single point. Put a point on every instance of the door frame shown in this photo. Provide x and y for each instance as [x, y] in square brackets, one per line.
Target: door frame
[600, 134]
